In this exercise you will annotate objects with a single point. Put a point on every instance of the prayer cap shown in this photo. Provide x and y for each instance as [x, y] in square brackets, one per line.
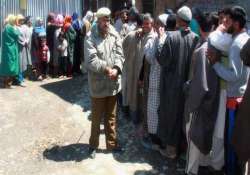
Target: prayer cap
[163, 18]
[185, 13]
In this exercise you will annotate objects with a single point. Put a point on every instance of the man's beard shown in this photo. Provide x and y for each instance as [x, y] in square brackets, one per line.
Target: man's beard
[230, 30]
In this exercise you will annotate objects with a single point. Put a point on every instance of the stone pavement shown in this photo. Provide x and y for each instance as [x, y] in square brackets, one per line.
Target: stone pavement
[44, 130]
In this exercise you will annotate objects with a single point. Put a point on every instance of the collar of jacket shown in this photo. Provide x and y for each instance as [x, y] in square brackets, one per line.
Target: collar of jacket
[96, 33]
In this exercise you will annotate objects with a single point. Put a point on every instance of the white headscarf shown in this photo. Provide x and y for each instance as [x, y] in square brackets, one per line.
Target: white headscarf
[89, 16]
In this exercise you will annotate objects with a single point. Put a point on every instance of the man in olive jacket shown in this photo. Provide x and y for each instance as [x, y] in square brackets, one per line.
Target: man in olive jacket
[104, 62]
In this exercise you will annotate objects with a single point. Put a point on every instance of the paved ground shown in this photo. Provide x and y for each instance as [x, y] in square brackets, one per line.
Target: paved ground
[44, 130]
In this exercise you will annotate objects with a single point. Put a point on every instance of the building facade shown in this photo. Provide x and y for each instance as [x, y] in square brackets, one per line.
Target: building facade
[156, 7]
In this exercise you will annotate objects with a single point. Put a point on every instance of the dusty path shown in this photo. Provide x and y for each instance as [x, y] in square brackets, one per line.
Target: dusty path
[44, 130]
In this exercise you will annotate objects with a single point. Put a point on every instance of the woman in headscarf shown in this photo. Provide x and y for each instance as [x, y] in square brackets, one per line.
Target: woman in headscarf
[78, 51]
[39, 28]
[9, 67]
[59, 24]
[87, 24]
[24, 50]
[50, 31]
[70, 37]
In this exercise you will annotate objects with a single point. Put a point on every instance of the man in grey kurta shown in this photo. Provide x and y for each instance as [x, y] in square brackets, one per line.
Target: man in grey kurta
[175, 60]
[133, 47]
[202, 103]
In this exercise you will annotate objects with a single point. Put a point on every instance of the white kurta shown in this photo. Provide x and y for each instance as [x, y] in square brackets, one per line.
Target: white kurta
[216, 157]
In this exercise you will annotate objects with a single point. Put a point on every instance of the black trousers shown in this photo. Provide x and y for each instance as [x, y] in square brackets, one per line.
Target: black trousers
[44, 68]
[63, 62]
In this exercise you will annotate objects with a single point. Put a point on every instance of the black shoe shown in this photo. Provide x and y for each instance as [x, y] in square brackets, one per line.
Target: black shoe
[118, 150]
[92, 153]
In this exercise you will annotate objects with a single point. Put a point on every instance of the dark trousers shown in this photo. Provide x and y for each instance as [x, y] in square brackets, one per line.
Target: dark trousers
[63, 62]
[104, 108]
[44, 68]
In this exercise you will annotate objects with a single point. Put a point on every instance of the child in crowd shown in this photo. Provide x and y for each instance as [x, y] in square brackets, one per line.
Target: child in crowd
[43, 56]
[63, 55]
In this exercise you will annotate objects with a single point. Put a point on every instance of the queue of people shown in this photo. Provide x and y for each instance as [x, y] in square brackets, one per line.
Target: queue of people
[181, 78]
[36, 51]
[181, 84]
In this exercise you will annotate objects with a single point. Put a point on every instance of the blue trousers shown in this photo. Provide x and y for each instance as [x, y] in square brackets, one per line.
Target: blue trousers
[232, 164]
[20, 78]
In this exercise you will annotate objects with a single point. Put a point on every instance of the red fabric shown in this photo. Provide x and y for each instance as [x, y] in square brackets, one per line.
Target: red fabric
[233, 103]
[43, 53]
[67, 19]
[66, 27]
[67, 23]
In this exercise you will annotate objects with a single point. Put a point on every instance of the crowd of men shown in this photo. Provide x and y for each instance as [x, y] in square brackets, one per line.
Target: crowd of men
[182, 77]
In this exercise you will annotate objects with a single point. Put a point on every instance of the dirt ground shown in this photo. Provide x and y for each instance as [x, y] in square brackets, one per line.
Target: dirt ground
[45, 127]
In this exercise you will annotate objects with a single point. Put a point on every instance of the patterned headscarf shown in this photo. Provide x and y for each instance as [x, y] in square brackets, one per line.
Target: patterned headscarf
[67, 23]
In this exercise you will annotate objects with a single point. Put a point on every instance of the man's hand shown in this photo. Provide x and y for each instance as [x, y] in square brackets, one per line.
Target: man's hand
[108, 71]
[112, 73]
[213, 56]
[139, 33]
[222, 28]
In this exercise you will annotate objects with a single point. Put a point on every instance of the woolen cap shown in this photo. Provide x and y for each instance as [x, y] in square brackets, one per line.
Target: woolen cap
[185, 13]
[102, 12]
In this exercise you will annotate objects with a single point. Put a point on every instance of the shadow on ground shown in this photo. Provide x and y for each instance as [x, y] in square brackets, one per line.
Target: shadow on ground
[73, 152]
[74, 90]
[136, 153]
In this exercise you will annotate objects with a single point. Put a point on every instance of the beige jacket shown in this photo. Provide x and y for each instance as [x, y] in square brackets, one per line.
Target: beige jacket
[99, 54]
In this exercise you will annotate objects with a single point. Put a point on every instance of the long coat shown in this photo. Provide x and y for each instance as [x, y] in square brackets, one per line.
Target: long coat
[10, 56]
[133, 53]
[202, 100]
[241, 136]
[24, 47]
[175, 60]
[71, 37]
